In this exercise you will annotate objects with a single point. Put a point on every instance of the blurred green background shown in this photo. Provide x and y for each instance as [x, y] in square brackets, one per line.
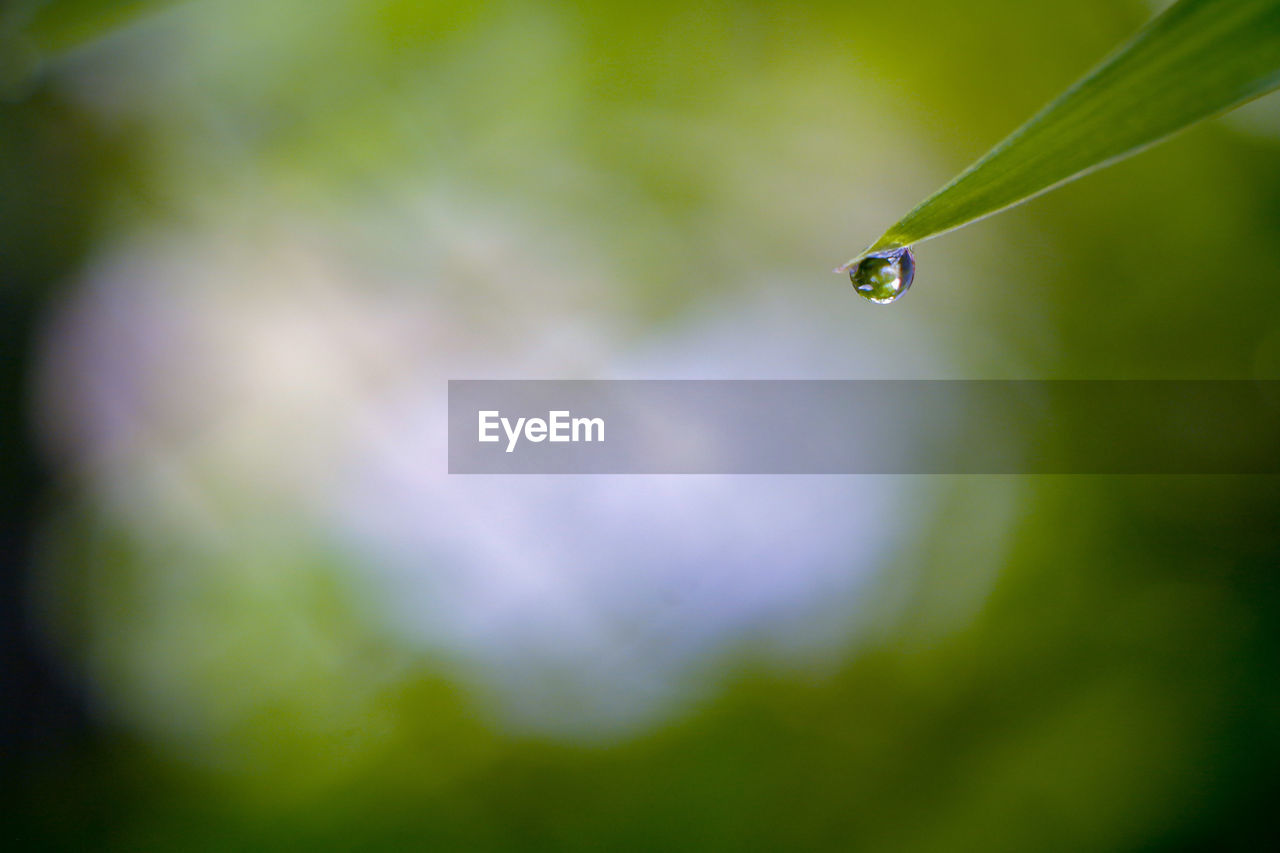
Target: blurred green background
[243, 245]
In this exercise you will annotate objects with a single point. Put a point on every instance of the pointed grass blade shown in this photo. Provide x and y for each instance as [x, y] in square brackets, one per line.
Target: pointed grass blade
[1198, 59]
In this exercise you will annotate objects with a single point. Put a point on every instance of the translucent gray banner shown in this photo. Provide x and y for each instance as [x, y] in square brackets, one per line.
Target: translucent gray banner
[863, 427]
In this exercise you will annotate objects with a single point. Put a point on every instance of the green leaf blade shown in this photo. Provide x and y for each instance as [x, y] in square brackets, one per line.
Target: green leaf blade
[1198, 59]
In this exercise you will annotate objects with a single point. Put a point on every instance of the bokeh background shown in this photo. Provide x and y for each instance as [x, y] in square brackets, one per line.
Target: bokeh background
[244, 245]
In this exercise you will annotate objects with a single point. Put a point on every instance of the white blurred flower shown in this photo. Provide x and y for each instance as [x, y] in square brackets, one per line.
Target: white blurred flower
[211, 390]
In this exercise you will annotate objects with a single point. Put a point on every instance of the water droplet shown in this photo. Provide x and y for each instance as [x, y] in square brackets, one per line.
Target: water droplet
[882, 277]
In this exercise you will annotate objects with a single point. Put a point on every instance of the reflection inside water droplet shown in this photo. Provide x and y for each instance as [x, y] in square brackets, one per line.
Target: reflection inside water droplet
[882, 277]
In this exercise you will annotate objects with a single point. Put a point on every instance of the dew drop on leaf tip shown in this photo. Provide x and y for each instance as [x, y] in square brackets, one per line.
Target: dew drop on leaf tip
[882, 277]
